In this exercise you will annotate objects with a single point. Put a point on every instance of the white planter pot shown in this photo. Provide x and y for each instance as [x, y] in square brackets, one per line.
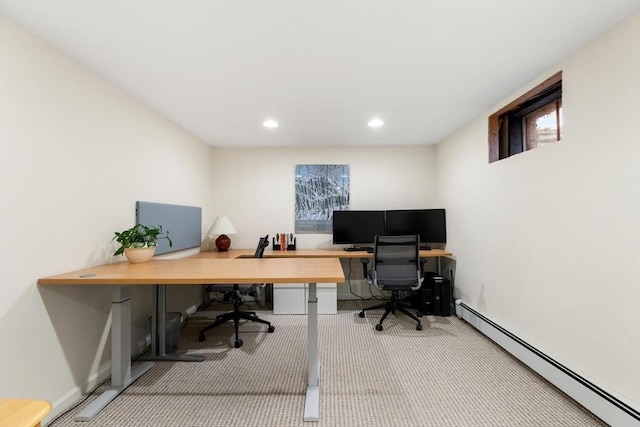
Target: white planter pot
[137, 255]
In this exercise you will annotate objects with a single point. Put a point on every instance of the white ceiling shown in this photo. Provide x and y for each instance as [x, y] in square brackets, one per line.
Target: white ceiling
[322, 69]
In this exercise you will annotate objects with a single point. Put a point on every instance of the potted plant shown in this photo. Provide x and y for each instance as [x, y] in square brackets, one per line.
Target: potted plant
[138, 243]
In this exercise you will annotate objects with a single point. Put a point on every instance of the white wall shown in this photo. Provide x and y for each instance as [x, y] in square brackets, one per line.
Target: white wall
[257, 185]
[75, 155]
[257, 188]
[548, 242]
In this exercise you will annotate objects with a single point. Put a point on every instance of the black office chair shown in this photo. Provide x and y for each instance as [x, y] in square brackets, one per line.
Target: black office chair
[236, 291]
[396, 268]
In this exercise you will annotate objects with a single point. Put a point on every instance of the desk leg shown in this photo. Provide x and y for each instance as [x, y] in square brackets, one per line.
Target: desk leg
[158, 331]
[121, 374]
[312, 401]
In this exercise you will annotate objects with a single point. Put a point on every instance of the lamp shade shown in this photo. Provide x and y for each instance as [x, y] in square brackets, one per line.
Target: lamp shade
[221, 227]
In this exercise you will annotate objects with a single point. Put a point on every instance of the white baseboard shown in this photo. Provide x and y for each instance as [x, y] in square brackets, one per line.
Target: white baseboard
[601, 403]
[191, 310]
[67, 401]
[71, 398]
[141, 346]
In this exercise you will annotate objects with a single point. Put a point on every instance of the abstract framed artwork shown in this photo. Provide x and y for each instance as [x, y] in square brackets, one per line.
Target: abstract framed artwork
[320, 189]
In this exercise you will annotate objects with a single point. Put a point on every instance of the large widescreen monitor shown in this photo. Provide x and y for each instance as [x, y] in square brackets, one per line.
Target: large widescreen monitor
[430, 224]
[357, 227]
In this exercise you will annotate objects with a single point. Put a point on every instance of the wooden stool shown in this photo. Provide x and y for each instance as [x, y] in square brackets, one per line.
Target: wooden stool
[23, 412]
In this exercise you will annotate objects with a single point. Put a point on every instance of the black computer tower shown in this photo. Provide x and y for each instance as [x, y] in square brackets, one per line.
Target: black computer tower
[422, 299]
[434, 297]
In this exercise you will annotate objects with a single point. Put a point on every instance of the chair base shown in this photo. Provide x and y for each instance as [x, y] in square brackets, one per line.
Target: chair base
[235, 316]
[391, 307]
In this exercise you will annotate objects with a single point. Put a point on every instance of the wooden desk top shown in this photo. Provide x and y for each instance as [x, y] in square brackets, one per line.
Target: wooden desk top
[199, 270]
[306, 253]
[234, 266]
[23, 412]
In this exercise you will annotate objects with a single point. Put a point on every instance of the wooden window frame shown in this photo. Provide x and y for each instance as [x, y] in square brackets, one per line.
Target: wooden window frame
[505, 139]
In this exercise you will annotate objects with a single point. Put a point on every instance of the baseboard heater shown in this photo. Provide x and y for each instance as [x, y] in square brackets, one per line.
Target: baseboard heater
[605, 406]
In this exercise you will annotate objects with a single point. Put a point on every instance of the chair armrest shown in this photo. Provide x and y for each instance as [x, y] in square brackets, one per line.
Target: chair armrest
[420, 280]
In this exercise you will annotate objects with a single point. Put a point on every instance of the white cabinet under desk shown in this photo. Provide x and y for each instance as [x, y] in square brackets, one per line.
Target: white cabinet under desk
[291, 298]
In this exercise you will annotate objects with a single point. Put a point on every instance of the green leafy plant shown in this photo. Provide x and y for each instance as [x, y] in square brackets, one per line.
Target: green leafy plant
[140, 236]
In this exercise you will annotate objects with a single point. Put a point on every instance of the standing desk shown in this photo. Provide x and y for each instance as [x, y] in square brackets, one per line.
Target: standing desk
[197, 270]
[307, 253]
[293, 300]
[438, 254]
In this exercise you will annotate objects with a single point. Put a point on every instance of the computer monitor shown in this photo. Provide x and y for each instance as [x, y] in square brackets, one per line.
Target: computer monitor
[357, 227]
[430, 224]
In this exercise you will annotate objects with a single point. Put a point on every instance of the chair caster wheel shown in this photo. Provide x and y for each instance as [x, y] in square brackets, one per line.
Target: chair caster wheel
[418, 327]
[238, 344]
[378, 327]
[270, 329]
[419, 314]
[361, 314]
[201, 338]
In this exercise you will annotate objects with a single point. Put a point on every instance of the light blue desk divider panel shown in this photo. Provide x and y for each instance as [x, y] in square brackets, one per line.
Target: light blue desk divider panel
[184, 224]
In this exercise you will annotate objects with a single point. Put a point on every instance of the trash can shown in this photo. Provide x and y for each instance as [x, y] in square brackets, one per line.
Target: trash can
[172, 331]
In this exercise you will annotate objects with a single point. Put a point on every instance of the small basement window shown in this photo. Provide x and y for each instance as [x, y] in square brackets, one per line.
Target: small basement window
[532, 120]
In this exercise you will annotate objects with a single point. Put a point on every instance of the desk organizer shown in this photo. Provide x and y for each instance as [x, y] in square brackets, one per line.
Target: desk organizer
[284, 243]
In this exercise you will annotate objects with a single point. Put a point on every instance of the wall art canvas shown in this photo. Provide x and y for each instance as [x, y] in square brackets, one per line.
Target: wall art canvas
[320, 189]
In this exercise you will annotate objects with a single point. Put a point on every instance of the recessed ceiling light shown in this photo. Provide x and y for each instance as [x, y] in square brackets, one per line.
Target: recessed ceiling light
[270, 124]
[375, 123]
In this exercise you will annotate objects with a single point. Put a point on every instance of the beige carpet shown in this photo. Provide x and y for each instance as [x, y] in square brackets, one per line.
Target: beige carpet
[445, 375]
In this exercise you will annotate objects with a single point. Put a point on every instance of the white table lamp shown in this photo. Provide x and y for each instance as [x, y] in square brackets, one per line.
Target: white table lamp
[221, 227]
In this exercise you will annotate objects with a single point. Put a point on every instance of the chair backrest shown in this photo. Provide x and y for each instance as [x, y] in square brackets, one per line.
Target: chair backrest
[262, 244]
[248, 287]
[396, 262]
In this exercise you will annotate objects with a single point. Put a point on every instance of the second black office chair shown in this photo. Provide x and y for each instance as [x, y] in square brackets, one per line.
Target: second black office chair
[396, 268]
[236, 291]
